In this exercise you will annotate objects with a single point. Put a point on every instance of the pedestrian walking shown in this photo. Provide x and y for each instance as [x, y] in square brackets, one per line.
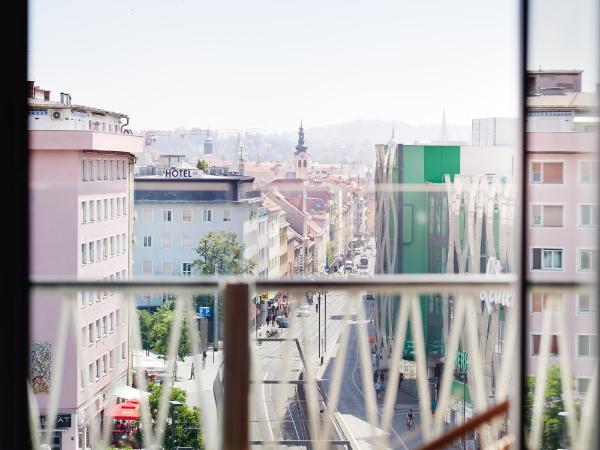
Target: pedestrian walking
[401, 380]
[375, 376]
[378, 388]
[192, 375]
[204, 359]
[268, 319]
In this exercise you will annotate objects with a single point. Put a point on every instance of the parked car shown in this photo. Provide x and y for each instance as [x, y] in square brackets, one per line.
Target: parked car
[303, 311]
[282, 321]
[349, 266]
[358, 251]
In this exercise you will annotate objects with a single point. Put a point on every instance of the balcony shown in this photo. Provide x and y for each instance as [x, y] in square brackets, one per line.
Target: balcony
[562, 142]
[85, 140]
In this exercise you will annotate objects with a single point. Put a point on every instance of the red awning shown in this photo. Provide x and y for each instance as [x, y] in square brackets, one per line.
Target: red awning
[126, 411]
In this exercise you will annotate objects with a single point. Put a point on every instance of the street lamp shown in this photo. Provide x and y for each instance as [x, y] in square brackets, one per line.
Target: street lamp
[175, 404]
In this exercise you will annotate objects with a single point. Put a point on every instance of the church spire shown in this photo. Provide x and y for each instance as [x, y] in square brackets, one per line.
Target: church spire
[444, 134]
[301, 147]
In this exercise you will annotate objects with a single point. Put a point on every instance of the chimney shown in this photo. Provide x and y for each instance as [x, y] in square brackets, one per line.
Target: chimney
[47, 96]
[62, 98]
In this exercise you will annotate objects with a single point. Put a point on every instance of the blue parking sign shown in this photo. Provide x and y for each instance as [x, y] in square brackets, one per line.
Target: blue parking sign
[204, 311]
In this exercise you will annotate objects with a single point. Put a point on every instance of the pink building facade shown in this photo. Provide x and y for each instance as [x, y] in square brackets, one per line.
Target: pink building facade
[81, 185]
[562, 224]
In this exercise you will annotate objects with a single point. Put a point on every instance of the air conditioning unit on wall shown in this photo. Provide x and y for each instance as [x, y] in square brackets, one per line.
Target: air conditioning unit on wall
[56, 115]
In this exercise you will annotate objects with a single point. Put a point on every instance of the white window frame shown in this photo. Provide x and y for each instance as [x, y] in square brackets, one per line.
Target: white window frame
[183, 242]
[207, 215]
[84, 212]
[223, 215]
[151, 265]
[191, 215]
[170, 263]
[170, 239]
[542, 205]
[147, 241]
[150, 219]
[561, 300]
[584, 249]
[593, 305]
[592, 182]
[539, 333]
[531, 249]
[543, 161]
[593, 339]
[183, 272]
[580, 215]
[167, 213]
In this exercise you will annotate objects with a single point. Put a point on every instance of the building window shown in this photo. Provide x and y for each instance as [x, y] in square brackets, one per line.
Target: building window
[105, 248]
[118, 206]
[84, 340]
[544, 301]
[118, 170]
[187, 241]
[582, 385]
[547, 172]
[105, 209]
[587, 172]
[123, 350]
[91, 251]
[124, 203]
[167, 215]
[83, 254]
[111, 358]
[167, 241]
[99, 249]
[105, 169]
[82, 301]
[186, 268]
[124, 240]
[587, 260]
[118, 244]
[226, 215]
[124, 171]
[187, 215]
[536, 344]
[91, 209]
[547, 215]
[588, 215]
[547, 259]
[148, 241]
[104, 364]
[586, 303]
[98, 330]
[147, 215]
[90, 333]
[167, 267]
[112, 246]
[587, 346]
[91, 373]
[147, 267]
[98, 369]
[207, 215]
[83, 171]
[99, 209]
[84, 213]
[112, 169]
[105, 325]
[112, 321]
[118, 317]
[112, 208]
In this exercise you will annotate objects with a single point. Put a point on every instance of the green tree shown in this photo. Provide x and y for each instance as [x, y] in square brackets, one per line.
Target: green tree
[161, 329]
[202, 164]
[146, 325]
[221, 253]
[554, 427]
[185, 418]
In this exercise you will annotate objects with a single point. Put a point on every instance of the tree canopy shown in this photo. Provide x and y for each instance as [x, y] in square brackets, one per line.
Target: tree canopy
[202, 164]
[221, 253]
[159, 328]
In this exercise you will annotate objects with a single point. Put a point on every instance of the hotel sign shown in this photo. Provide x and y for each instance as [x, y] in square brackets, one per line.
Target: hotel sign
[178, 173]
[62, 421]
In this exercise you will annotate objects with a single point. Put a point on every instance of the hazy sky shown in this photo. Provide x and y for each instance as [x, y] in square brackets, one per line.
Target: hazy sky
[265, 64]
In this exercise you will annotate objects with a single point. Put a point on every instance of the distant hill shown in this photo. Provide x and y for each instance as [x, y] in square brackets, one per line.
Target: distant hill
[343, 142]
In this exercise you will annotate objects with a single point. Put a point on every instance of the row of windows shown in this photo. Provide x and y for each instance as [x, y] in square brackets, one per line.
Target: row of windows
[89, 297]
[98, 210]
[167, 267]
[552, 216]
[167, 241]
[102, 327]
[553, 259]
[552, 172]
[540, 302]
[104, 169]
[100, 249]
[102, 365]
[585, 345]
[186, 215]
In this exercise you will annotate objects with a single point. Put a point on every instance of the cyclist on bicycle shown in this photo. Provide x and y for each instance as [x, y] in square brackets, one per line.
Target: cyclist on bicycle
[409, 419]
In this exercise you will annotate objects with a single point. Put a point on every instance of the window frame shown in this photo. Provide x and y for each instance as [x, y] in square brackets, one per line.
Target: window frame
[543, 161]
[543, 225]
[542, 269]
